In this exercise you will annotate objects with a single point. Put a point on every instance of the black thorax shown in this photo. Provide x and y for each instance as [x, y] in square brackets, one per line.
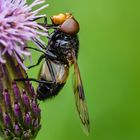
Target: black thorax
[60, 44]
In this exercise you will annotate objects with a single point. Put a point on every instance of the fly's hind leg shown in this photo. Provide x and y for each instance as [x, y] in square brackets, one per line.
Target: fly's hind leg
[43, 82]
[35, 80]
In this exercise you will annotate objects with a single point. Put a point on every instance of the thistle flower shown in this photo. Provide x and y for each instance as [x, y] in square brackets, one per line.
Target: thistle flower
[19, 110]
[17, 27]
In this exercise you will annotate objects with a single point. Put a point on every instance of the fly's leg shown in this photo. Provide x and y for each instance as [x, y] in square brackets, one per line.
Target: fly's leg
[45, 24]
[45, 20]
[40, 17]
[39, 43]
[38, 50]
[35, 80]
[48, 26]
[44, 82]
[45, 55]
[38, 62]
[49, 56]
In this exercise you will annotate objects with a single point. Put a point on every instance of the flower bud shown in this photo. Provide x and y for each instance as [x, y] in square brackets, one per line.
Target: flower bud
[19, 110]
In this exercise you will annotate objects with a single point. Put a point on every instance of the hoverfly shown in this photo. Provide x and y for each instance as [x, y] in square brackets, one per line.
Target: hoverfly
[60, 53]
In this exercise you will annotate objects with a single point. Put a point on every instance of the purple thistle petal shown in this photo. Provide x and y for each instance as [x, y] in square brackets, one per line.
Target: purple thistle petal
[7, 120]
[27, 120]
[18, 113]
[7, 98]
[35, 109]
[30, 89]
[16, 92]
[35, 122]
[17, 110]
[26, 101]
[17, 129]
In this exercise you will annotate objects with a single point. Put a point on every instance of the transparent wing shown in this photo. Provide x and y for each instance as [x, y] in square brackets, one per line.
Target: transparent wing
[80, 98]
[45, 73]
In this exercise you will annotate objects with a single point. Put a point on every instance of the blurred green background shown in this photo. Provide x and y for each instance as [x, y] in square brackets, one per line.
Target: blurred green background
[109, 61]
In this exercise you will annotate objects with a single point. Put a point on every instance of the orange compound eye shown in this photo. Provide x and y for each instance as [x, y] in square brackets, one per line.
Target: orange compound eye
[58, 19]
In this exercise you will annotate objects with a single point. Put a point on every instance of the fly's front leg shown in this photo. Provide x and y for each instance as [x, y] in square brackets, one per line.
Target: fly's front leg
[45, 24]
[35, 49]
[45, 20]
[39, 43]
[40, 17]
